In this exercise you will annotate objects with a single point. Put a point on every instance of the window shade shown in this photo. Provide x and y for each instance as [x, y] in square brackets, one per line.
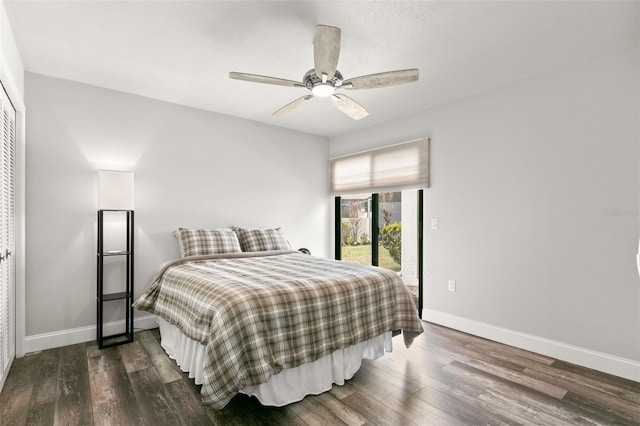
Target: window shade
[401, 166]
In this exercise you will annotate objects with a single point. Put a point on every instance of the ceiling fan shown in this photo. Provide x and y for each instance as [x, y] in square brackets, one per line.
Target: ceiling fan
[325, 80]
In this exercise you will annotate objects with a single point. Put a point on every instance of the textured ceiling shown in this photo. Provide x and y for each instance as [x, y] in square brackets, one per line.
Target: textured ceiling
[182, 51]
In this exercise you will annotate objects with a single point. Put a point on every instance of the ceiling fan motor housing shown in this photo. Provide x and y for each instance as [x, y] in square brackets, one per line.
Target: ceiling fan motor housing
[311, 79]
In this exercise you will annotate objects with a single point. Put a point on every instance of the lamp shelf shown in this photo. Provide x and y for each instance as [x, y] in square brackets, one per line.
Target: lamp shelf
[116, 253]
[125, 256]
[115, 339]
[115, 296]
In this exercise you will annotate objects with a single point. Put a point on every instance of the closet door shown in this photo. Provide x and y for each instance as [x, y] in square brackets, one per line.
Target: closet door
[7, 236]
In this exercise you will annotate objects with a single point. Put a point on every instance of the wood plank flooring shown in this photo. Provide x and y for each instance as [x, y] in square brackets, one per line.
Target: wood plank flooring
[445, 378]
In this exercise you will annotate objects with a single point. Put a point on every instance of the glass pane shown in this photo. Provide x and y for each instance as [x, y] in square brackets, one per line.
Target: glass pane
[355, 228]
[398, 224]
[390, 226]
[410, 222]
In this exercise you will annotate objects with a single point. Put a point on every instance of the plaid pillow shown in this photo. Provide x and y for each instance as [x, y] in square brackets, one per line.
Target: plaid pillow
[195, 242]
[262, 239]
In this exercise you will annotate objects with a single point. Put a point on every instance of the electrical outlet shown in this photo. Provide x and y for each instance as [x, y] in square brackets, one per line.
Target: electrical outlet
[452, 285]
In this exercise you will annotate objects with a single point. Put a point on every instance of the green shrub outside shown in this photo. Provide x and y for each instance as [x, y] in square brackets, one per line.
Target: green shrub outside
[391, 239]
[344, 231]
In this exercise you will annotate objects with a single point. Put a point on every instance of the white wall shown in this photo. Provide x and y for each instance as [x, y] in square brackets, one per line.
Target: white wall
[192, 168]
[11, 69]
[535, 185]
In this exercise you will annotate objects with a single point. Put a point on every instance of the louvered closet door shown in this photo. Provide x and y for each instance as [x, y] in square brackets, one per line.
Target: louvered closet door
[7, 236]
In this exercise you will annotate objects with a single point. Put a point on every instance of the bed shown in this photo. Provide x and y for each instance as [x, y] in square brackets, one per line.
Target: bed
[276, 324]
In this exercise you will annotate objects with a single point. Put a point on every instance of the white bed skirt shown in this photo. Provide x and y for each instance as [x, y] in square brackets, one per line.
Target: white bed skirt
[289, 385]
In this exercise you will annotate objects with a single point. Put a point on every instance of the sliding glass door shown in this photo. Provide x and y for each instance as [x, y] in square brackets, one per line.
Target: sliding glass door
[385, 230]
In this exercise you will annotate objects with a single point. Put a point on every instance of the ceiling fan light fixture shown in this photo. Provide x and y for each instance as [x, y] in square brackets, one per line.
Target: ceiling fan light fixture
[323, 90]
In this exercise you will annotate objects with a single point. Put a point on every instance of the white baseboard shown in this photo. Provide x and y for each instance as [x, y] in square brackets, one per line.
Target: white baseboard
[606, 363]
[56, 339]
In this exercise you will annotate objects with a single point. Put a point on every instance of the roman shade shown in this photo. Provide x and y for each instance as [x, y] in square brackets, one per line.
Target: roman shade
[388, 169]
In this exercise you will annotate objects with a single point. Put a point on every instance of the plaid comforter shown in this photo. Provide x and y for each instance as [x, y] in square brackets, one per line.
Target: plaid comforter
[259, 313]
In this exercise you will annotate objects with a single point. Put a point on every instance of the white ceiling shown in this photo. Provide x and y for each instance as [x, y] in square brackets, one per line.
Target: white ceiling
[182, 51]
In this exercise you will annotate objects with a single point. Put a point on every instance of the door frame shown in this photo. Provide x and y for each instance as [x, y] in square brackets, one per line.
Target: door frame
[17, 100]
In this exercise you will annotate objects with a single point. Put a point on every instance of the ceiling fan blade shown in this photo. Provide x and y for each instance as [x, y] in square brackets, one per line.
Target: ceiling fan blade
[264, 79]
[326, 51]
[382, 79]
[292, 105]
[349, 106]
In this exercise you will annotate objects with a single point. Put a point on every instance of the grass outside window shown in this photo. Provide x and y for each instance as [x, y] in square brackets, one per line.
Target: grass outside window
[362, 254]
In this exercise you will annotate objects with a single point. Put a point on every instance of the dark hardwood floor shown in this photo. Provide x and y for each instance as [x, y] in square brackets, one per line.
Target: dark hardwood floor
[445, 378]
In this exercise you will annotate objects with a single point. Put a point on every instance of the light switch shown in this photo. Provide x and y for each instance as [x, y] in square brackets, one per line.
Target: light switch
[434, 223]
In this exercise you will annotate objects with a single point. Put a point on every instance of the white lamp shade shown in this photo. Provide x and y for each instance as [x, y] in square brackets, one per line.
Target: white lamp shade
[115, 190]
